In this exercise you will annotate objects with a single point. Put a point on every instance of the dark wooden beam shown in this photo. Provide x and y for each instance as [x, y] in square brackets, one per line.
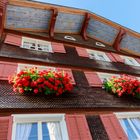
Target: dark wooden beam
[118, 39]
[53, 20]
[3, 5]
[1, 21]
[85, 25]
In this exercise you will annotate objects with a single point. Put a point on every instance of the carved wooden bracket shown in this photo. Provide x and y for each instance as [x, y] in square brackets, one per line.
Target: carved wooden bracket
[3, 4]
[118, 39]
[85, 25]
[53, 20]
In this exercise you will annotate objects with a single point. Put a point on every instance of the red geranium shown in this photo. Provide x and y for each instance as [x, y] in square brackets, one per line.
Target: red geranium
[124, 85]
[37, 82]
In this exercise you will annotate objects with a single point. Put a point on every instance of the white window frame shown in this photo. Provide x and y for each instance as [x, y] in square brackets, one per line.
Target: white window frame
[99, 44]
[23, 66]
[96, 53]
[69, 38]
[138, 78]
[106, 76]
[128, 115]
[127, 58]
[39, 118]
[37, 42]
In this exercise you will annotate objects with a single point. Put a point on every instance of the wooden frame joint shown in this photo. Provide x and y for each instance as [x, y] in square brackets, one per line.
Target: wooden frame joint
[53, 20]
[85, 25]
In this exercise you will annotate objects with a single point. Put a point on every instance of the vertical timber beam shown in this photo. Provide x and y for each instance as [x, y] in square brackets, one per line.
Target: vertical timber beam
[1, 21]
[3, 4]
[118, 39]
[53, 20]
[85, 25]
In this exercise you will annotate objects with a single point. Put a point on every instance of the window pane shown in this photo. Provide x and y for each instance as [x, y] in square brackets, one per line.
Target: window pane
[101, 57]
[26, 131]
[92, 56]
[51, 130]
[45, 131]
[136, 123]
[128, 129]
[28, 45]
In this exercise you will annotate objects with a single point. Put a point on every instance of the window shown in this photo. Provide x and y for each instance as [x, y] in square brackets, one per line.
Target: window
[130, 61]
[98, 55]
[23, 66]
[106, 76]
[39, 127]
[69, 38]
[35, 44]
[130, 122]
[100, 44]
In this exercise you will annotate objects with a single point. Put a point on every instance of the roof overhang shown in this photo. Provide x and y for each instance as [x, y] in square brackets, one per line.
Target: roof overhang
[53, 19]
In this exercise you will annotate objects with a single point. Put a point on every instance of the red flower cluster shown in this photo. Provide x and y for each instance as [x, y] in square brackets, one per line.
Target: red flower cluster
[33, 81]
[124, 85]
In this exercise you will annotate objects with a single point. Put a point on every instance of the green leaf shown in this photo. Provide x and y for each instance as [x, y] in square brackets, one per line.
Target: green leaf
[47, 91]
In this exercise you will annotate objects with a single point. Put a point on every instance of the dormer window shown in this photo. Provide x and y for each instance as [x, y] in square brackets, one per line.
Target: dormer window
[69, 38]
[98, 55]
[35, 44]
[100, 44]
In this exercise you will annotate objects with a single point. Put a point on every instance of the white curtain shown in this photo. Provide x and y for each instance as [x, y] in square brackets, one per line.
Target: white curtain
[54, 130]
[23, 131]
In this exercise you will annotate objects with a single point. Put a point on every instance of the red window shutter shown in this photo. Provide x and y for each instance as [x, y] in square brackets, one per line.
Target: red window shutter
[111, 57]
[82, 52]
[13, 39]
[77, 127]
[58, 47]
[6, 69]
[6, 128]
[117, 58]
[138, 60]
[113, 127]
[93, 79]
[69, 72]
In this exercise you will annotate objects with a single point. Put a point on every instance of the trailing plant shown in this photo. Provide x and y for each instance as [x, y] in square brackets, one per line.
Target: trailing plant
[33, 81]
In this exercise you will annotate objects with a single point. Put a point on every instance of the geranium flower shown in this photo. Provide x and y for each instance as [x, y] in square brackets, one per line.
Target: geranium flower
[33, 81]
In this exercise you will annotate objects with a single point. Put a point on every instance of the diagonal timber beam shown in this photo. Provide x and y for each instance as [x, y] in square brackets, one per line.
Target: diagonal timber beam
[53, 20]
[85, 25]
[118, 39]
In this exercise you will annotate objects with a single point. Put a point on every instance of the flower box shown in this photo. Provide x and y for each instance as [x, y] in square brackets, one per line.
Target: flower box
[123, 86]
[35, 82]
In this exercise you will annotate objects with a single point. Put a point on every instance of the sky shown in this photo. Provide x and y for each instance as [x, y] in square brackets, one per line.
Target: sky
[123, 12]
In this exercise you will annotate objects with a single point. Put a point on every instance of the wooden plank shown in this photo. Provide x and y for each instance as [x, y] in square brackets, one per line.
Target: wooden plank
[101, 31]
[68, 23]
[25, 17]
[70, 10]
[40, 5]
